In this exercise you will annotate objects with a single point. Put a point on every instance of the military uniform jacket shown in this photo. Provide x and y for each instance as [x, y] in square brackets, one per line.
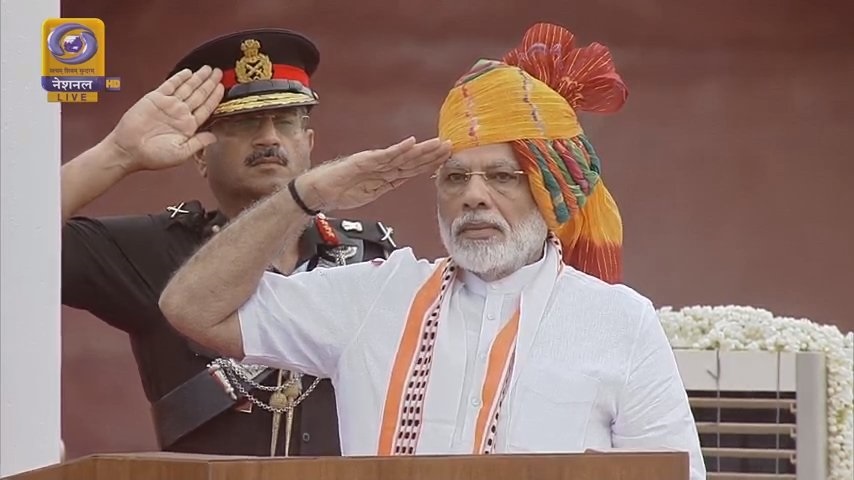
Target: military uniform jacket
[117, 267]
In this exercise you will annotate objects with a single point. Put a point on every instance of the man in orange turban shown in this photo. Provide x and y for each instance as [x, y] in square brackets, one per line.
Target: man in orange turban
[528, 103]
[503, 347]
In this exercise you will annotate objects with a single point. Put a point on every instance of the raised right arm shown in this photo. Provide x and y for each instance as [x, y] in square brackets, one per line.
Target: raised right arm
[157, 132]
[91, 174]
[203, 299]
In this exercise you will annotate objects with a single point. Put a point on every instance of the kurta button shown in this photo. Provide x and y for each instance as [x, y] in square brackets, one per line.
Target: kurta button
[306, 437]
[475, 402]
[490, 316]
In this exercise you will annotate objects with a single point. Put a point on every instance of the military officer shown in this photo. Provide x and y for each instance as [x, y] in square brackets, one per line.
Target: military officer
[238, 106]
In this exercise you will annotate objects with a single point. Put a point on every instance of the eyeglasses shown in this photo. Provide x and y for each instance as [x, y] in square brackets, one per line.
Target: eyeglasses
[285, 123]
[500, 180]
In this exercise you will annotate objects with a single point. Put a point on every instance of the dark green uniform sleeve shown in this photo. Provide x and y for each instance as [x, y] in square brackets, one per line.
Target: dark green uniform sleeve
[103, 261]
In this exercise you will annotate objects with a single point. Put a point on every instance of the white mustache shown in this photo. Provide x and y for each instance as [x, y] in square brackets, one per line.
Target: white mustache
[469, 218]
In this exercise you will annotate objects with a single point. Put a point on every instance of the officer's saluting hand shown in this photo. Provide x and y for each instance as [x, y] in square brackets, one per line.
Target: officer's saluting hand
[159, 131]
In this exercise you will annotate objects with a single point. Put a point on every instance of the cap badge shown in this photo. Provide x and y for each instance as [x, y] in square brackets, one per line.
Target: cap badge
[253, 65]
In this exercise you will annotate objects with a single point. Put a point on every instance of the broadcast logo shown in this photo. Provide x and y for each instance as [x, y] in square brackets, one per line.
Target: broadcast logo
[73, 60]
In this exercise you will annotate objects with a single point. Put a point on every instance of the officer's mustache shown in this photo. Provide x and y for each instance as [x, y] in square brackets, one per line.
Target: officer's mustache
[267, 153]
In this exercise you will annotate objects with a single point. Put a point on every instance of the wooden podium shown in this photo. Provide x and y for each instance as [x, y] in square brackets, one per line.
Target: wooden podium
[167, 466]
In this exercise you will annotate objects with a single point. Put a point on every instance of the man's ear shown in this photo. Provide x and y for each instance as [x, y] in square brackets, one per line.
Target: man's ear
[201, 163]
[310, 134]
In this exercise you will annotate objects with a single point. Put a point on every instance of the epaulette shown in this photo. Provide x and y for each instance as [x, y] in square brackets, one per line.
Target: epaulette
[336, 234]
[192, 215]
[375, 232]
[351, 240]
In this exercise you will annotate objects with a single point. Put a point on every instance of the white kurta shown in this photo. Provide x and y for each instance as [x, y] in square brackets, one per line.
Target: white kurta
[592, 365]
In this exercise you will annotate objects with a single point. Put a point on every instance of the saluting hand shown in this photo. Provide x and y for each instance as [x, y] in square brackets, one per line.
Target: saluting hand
[160, 130]
[359, 179]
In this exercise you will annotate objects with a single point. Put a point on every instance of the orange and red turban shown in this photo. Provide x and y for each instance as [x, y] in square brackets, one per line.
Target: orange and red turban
[530, 99]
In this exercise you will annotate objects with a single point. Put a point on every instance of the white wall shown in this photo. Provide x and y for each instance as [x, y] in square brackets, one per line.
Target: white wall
[30, 243]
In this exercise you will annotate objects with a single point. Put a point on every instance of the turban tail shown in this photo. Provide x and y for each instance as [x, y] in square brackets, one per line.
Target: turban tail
[529, 100]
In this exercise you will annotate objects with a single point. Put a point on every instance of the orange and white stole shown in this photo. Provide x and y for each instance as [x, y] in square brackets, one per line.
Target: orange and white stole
[404, 406]
[405, 398]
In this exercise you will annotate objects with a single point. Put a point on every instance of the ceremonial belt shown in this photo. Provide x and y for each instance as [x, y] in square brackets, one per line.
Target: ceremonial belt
[191, 405]
[203, 397]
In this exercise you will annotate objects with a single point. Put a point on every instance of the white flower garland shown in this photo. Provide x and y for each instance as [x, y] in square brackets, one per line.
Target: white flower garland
[747, 328]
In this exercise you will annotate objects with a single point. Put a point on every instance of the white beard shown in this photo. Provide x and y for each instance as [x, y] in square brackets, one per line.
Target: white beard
[495, 257]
